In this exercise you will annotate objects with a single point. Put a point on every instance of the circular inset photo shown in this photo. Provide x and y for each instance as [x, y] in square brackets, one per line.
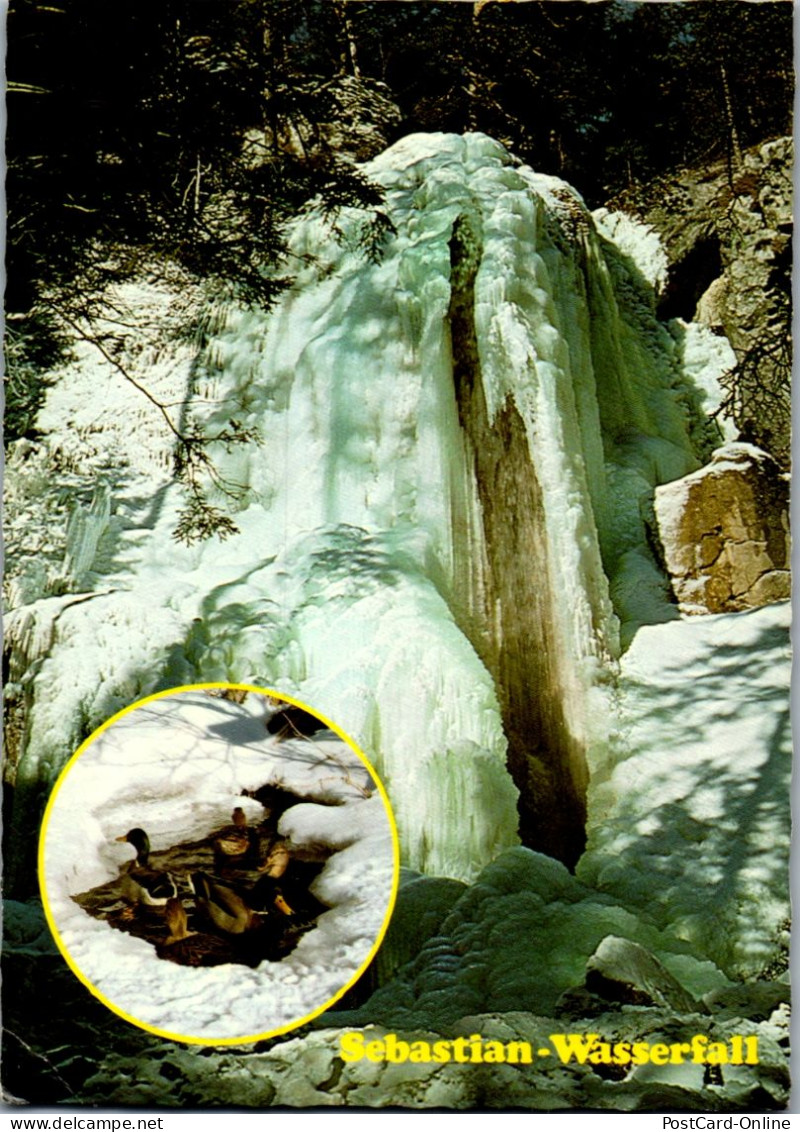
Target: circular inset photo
[218, 863]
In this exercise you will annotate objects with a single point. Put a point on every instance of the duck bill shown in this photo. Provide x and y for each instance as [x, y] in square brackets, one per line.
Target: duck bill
[123, 838]
[282, 906]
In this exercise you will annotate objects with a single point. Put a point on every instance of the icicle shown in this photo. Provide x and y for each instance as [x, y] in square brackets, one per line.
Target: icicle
[85, 528]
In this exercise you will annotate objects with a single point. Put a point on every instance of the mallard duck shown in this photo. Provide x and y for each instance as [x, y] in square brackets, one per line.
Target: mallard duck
[228, 910]
[222, 905]
[140, 883]
[277, 860]
[266, 896]
[237, 846]
[192, 949]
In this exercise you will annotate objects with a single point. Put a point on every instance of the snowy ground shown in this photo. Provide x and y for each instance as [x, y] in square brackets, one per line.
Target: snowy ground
[176, 767]
[689, 823]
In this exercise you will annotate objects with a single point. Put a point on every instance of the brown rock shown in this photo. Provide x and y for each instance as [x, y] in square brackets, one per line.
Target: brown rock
[724, 532]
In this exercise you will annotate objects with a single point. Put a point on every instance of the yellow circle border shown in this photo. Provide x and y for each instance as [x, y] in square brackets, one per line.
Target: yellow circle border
[246, 1039]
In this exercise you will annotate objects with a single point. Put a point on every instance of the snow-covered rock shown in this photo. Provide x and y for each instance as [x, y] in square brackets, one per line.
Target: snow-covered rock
[623, 971]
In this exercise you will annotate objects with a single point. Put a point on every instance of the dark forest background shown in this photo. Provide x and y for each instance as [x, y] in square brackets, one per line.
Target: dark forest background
[178, 136]
[126, 120]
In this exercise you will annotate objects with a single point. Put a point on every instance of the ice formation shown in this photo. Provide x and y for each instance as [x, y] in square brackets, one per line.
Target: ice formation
[175, 766]
[458, 443]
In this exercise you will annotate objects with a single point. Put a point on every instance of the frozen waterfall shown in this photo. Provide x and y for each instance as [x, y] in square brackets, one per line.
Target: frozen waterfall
[443, 527]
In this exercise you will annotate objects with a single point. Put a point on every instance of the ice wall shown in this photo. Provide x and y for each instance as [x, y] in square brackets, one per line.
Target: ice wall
[457, 445]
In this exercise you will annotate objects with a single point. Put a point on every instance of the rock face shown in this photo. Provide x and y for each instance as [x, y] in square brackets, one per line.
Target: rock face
[724, 532]
[728, 237]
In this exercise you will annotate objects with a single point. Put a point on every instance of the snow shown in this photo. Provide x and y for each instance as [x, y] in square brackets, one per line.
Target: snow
[638, 241]
[176, 766]
[689, 823]
[688, 844]
[705, 358]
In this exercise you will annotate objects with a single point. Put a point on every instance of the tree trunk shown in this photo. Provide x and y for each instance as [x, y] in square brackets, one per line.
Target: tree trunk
[350, 43]
[733, 133]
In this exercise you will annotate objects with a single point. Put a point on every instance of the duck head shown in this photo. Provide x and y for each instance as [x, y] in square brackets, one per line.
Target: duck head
[140, 841]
